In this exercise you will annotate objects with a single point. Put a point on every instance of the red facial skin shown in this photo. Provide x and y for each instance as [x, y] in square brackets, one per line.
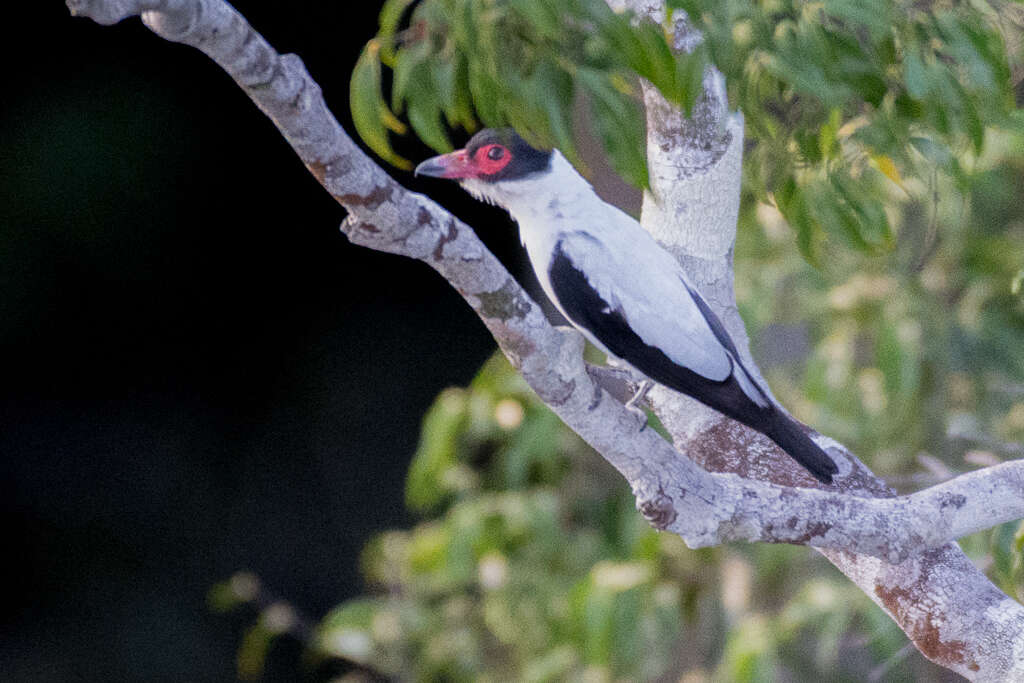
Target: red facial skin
[459, 164]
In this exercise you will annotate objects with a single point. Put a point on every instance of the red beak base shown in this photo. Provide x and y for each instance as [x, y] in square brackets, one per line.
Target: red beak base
[457, 164]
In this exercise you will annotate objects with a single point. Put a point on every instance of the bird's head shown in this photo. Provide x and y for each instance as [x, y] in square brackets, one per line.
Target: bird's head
[492, 160]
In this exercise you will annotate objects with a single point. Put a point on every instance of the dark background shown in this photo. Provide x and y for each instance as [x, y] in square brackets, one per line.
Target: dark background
[198, 373]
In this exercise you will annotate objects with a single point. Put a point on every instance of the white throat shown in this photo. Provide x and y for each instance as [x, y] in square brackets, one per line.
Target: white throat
[544, 191]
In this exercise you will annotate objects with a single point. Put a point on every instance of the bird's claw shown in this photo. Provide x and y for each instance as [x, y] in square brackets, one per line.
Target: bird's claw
[633, 404]
[640, 414]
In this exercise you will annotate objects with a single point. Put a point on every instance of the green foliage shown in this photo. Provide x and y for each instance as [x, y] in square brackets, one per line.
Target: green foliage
[370, 113]
[849, 101]
[915, 352]
[846, 101]
[519, 63]
[534, 565]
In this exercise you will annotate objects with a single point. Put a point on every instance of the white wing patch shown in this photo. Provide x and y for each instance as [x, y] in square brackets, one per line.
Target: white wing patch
[642, 281]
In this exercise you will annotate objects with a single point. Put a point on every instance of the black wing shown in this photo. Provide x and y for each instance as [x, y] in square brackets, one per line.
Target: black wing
[586, 309]
[720, 333]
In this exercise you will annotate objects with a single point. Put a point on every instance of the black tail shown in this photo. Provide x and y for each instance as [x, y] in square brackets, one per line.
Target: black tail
[792, 439]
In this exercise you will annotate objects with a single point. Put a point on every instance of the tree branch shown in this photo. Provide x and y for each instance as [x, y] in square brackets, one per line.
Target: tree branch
[979, 635]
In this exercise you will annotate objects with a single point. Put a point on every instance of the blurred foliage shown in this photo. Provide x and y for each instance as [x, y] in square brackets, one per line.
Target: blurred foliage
[914, 359]
[844, 100]
[532, 564]
[848, 101]
[915, 352]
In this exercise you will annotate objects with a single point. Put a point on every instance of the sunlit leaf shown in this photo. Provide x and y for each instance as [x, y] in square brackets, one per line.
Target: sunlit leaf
[888, 168]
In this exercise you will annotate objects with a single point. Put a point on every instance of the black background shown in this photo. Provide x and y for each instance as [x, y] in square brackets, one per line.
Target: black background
[198, 373]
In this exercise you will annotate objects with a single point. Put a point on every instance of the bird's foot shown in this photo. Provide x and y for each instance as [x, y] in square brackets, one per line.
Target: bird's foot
[633, 404]
[640, 414]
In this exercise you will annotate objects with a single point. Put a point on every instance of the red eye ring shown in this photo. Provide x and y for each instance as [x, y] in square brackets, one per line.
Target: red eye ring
[491, 159]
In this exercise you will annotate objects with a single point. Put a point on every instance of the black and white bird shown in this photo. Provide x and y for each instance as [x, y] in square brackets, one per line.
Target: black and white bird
[621, 289]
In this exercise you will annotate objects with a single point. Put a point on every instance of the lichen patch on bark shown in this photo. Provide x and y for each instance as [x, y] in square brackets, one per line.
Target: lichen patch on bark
[505, 303]
[658, 510]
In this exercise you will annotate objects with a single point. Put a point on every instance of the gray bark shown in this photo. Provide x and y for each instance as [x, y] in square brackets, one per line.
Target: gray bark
[731, 484]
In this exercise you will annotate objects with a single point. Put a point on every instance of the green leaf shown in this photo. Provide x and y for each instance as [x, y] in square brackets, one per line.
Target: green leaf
[429, 550]
[1004, 557]
[426, 485]
[425, 118]
[357, 613]
[409, 63]
[828, 141]
[659, 64]
[876, 17]
[835, 215]
[487, 96]
[1018, 539]
[542, 15]
[933, 151]
[900, 366]
[791, 202]
[551, 666]
[690, 78]
[597, 617]
[991, 48]
[529, 447]
[750, 653]
[618, 121]
[549, 90]
[390, 15]
[370, 114]
[458, 105]
[866, 216]
[971, 120]
[252, 653]
[623, 44]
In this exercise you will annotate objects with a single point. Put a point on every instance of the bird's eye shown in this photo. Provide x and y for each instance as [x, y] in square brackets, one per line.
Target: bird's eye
[495, 153]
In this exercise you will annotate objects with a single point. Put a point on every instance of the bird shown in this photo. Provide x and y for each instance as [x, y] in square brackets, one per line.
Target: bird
[615, 284]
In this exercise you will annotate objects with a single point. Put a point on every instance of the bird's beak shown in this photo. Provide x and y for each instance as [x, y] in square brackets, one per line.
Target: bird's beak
[457, 164]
